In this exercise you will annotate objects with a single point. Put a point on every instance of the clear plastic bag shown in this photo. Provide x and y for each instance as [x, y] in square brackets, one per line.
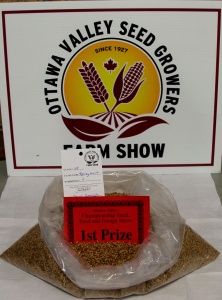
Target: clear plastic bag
[156, 254]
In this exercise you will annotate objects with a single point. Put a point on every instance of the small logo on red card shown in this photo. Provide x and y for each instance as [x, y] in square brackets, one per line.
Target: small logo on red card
[106, 219]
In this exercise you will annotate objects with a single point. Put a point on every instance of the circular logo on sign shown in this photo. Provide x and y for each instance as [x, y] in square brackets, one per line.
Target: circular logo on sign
[111, 85]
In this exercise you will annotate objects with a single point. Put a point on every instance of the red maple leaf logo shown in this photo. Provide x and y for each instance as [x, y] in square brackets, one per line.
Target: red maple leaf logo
[110, 65]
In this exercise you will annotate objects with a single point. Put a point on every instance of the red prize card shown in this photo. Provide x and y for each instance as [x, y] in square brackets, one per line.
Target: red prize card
[106, 219]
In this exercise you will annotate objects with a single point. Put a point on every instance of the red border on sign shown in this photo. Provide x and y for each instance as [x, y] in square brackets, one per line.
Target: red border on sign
[218, 11]
[140, 204]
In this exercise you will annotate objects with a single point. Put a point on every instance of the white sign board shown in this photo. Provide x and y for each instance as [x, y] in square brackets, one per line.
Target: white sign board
[139, 80]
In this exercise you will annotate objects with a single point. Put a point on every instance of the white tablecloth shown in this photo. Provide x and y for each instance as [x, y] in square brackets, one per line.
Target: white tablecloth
[198, 203]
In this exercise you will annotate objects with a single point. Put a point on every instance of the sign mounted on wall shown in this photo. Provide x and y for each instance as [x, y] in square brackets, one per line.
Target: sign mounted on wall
[140, 81]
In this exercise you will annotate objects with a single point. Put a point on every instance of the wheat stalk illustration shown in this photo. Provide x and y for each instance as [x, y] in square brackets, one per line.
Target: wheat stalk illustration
[125, 89]
[94, 83]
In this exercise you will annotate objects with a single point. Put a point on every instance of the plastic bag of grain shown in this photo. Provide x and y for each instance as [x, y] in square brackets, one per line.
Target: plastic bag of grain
[154, 256]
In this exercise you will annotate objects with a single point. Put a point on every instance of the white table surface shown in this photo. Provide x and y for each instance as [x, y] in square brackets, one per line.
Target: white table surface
[198, 203]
